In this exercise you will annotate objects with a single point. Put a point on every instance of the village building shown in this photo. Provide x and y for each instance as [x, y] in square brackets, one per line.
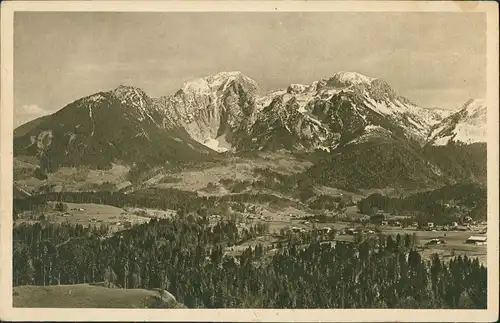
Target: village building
[395, 223]
[350, 231]
[476, 240]
[436, 241]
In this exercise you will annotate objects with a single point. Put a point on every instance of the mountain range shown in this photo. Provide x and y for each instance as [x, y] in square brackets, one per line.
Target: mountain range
[358, 124]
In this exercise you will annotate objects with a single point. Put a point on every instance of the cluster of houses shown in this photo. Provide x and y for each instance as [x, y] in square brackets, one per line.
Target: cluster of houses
[324, 230]
[125, 223]
[476, 240]
[466, 223]
[258, 217]
[67, 214]
[436, 241]
[354, 231]
[380, 219]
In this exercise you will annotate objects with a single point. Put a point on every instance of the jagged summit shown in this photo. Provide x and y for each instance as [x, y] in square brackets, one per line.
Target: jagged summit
[126, 91]
[343, 78]
[229, 111]
[211, 83]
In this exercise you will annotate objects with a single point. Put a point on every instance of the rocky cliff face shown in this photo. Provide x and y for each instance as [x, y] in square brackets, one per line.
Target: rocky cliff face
[214, 109]
[330, 112]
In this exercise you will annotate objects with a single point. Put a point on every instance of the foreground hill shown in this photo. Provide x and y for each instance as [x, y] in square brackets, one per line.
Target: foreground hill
[86, 296]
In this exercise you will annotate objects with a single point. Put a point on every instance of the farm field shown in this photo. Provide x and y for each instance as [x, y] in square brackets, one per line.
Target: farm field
[71, 178]
[92, 214]
[235, 168]
[82, 296]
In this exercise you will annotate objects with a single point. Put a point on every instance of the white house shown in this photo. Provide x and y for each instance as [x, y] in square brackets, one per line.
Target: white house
[476, 240]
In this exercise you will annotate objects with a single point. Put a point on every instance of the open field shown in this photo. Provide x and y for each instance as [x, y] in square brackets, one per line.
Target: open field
[150, 213]
[82, 296]
[234, 168]
[93, 214]
[238, 250]
[70, 178]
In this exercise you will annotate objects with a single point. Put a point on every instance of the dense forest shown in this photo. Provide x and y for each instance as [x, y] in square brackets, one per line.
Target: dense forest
[186, 256]
[440, 205]
[460, 162]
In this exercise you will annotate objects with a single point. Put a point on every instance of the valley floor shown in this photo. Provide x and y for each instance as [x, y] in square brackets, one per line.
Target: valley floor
[277, 219]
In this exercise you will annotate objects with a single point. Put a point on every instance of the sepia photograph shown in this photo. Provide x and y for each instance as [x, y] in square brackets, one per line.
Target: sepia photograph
[261, 162]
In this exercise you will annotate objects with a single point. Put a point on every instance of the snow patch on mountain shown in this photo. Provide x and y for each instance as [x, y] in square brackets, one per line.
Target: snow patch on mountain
[466, 126]
[136, 98]
[349, 78]
[217, 144]
[210, 84]
[43, 141]
[95, 98]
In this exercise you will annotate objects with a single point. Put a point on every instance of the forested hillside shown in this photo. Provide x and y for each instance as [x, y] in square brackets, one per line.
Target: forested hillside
[186, 256]
[448, 203]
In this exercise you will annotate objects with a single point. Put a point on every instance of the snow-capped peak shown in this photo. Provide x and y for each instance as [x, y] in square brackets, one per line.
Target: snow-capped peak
[468, 125]
[94, 98]
[474, 106]
[133, 96]
[297, 88]
[349, 78]
[208, 84]
[124, 90]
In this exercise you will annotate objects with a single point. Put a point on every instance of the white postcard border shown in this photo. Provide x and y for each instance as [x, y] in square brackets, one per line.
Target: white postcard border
[7, 312]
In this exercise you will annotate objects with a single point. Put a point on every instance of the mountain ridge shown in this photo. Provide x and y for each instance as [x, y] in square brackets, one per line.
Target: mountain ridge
[230, 113]
[230, 106]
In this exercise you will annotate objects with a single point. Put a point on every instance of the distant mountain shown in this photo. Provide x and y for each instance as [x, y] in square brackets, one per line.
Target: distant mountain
[213, 110]
[466, 126]
[369, 135]
[119, 125]
[332, 111]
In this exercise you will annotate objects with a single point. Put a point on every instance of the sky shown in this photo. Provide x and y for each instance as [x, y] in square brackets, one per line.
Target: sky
[433, 59]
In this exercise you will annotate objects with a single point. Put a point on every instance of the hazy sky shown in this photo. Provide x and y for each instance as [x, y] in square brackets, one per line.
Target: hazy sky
[434, 59]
